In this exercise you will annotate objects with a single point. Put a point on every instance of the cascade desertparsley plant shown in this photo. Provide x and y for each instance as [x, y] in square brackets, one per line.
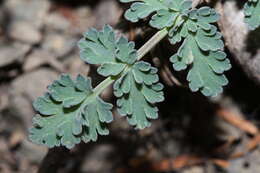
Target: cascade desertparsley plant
[72, 111]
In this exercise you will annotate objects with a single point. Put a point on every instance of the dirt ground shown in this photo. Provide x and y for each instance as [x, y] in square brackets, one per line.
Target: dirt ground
[193, 134]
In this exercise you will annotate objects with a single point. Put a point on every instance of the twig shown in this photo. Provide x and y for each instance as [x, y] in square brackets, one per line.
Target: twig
[237, 121]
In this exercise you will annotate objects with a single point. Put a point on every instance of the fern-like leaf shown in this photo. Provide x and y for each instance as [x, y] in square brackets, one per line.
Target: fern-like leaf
[201, 43]
[202, 50]
[69, 113]
[137, 92]
[102, 48]
[166, 11]
[206, 72]
[198, 20]
[137, 88]
[171, 16]
[143, 8]
[252, 13]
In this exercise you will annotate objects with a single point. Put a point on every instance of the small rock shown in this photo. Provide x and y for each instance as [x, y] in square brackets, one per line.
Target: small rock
[5, 168]
[31, 11]
[250, 163]
[25, 32]
[194, 169]
[40, 57]
[34, 84]
[21, 108]
[77, 66]
[112, 13]
[2, 19]
[27, 88]
[12, 52]
[59, 45]
[36, 59]
[34, 153]
[4, 98]
[16, 138]
[98, 159]
[85, 20]
[55, 21]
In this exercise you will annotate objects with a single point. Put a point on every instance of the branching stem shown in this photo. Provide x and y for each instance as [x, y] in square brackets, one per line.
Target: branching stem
[140, 54]
[151, 43]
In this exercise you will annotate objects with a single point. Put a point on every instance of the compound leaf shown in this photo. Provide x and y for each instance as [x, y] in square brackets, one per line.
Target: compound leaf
[102, 48]
[137, 92]
[206, 71]
[163, 18]
[171, 16]
[167, 12]
[208, 41]
[198, 21]
[69, 113]
[201, 50]
[143, 8]
[252, 14]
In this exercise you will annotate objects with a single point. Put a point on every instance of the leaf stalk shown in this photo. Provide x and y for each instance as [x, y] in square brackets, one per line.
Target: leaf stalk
[156, 38]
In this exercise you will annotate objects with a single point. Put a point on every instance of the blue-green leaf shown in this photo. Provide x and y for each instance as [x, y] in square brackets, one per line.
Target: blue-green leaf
[137, 92]
[69, 113]
[171, 16]
[201, 50]
[252, 14]
[102, 48]
[207, 67]
[143, 8]
[167, 12]
[198, 21]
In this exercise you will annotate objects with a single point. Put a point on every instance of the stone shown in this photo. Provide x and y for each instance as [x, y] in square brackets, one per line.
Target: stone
[40, 57]
[194, 169]
[25, 32]
[112, 13]
[59, 45]
[2, 19]
[25, 25]
[97, 160]
[25, 89]
[18, 9]
[250, 163]
[12, 52]
[76, 66]
[85, 20]
[32, 152]
[55, 21]
[4, 98]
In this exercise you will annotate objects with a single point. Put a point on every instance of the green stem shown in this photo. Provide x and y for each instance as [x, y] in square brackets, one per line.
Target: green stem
[103, 85]
[151, 43]
[140, 54]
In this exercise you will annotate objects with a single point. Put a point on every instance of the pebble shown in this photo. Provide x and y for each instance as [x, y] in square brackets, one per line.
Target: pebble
[32, 11]
[55, 21]
[194, 169]
[59, 45]
[26, 24]
[36, 59]
[12, 52]
[25, 32]
[247, 164]
[97, 160]
[25, 89]
[112, 13]
[32, 152]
